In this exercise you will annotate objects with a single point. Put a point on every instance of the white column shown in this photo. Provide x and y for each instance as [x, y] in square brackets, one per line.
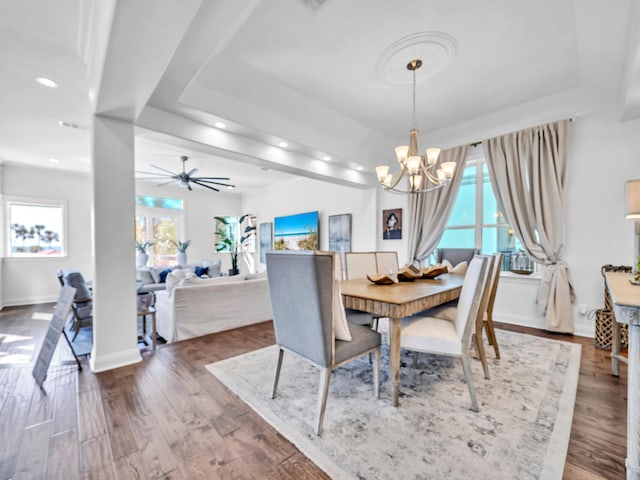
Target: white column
[114, 304]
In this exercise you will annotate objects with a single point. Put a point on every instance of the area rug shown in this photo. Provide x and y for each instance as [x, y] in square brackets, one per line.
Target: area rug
[521, 432]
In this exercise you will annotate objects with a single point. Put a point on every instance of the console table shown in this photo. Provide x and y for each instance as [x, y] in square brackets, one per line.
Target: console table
[626, 306]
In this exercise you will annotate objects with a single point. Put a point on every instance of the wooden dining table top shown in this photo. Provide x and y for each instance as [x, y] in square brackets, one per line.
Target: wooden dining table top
[400, 299]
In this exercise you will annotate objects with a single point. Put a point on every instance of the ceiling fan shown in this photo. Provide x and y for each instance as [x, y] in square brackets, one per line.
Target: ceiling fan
[186, 178]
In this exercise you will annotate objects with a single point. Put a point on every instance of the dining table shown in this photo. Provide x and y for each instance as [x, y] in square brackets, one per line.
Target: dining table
[397, 301]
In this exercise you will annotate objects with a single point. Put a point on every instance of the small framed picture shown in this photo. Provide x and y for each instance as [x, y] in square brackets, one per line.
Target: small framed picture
[392, 224]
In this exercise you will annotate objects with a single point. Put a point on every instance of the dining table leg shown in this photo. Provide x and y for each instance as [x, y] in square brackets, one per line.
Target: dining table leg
[395, 329]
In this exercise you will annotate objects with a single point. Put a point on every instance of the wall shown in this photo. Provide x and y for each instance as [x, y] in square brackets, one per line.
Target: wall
[33, 280]
[303, 195]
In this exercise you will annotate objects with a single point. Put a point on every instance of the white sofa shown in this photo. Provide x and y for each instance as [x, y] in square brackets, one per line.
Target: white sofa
[201, 306]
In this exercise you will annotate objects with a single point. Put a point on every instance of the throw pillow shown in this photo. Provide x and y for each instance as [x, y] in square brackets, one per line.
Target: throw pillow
[340, 325]
[214, 267]
[460, 269]
[200, 271]
[144, 275]
[163, 275]
[155, 273]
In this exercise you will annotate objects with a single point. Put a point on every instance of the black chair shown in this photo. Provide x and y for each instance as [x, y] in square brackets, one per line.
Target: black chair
[303, 288]
[82, 306]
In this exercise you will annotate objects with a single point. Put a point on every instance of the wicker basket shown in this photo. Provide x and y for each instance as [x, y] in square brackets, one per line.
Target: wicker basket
[604, 330]
[605, 316]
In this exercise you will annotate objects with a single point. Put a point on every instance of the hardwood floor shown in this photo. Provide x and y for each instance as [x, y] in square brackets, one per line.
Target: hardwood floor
[167, 417]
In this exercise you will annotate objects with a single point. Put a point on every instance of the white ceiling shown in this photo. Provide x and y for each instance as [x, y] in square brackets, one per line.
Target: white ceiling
[329, 78]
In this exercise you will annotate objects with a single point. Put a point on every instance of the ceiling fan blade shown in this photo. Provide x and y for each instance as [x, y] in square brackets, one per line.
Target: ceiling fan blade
[212, 182]
[191, 172]
[167, 183]
[212, 178]
[189, 186]
[163, 169]
[160, 175]
[206, 186]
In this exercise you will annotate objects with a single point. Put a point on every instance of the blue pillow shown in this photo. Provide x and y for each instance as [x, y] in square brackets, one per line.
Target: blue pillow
[163, 275]
[201, 271]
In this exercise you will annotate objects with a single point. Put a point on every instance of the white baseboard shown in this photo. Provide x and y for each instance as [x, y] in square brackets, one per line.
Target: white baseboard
[580, 329]
[101, 363]
[16, 302]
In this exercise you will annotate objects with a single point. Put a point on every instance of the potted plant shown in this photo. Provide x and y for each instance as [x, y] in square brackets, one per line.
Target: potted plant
[182, 251]
[226, 241]
[142, 257]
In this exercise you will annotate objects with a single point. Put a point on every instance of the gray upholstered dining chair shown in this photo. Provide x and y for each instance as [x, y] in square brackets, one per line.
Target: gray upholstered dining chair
[82, 305]
[443, 337]
[456, 255]
[306, 302]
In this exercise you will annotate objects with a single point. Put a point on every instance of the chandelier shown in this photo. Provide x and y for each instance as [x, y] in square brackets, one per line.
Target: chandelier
[422, 171]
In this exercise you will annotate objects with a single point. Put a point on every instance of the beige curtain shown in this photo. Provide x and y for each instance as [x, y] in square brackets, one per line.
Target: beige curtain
[429, 212]
[527, 171]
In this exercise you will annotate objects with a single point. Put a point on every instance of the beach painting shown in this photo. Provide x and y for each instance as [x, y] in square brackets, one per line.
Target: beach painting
[296, 232]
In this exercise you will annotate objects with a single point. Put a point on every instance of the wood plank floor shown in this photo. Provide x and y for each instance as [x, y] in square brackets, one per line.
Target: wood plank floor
[167, 417]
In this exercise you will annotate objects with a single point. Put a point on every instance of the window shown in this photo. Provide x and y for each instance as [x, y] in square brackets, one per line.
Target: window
[35, 229]
[475, 220]
[159, 220]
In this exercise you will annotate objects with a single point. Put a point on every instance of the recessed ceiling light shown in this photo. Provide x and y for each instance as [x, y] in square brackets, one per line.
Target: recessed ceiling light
[220, 125]
[47, 82]
[230, 187]
[283, 145]
[359, 168]
[53, 160]
[326, 158]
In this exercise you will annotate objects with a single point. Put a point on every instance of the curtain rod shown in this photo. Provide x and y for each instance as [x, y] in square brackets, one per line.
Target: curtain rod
[475, 144]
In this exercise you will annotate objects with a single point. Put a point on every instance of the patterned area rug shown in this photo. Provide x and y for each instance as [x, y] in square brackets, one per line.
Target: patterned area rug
[521, 432]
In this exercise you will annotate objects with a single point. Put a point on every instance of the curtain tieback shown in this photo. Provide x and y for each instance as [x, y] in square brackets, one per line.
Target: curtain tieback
[549, 279]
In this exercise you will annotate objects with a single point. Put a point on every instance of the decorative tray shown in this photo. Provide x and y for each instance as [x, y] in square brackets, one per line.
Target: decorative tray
[434, 270]
[382, 279]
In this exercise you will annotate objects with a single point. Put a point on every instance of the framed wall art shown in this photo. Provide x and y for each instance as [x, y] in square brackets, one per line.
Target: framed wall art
[392, 224]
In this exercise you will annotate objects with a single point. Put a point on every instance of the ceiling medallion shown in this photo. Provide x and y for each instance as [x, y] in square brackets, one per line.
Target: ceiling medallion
[436, 49]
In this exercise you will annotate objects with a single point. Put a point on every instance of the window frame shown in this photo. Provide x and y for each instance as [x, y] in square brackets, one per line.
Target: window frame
[478, 161]
[9, 201]
[149, 213]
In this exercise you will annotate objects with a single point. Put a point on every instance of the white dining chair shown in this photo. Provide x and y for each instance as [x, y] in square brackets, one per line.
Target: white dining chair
[485, 321]
[453, 338]
[387, 262]
[360, 264]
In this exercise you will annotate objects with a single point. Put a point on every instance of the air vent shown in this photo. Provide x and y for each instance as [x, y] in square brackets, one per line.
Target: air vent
[75, 126]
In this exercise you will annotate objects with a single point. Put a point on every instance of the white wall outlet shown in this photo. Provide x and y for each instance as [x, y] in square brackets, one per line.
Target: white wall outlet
[583, 308]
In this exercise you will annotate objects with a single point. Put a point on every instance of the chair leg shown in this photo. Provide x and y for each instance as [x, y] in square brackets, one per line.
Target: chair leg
[376, 373]
[415, 359]
[491, 335]
[468, 377]
[482, 355]
[277, 374]
[325, 377]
